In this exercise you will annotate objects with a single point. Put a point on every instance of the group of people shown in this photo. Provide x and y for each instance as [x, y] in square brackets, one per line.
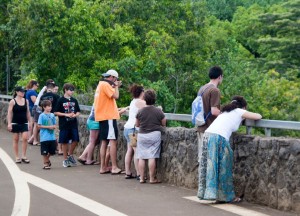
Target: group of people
[102, 124]
[215, 154]
[23, 115]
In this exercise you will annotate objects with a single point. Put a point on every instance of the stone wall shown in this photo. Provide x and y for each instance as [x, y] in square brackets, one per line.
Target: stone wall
[266, 169]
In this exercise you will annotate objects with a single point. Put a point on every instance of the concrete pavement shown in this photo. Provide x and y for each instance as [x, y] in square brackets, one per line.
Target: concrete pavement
[82, 190]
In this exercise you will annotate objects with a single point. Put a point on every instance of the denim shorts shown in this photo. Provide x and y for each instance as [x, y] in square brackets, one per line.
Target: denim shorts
[126, 132]
[66, 135]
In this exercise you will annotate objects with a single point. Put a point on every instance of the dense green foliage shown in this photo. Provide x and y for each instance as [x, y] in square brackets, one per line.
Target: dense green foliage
[166, 45]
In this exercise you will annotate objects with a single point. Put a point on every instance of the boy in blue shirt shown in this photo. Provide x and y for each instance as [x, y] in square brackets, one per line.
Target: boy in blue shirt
[47, 125]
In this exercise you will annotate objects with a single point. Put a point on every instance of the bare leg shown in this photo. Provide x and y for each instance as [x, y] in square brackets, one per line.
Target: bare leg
[30, 132]
[46, 158]
[65, 150]
[103, 147]
[93, 140]
[136, 162]
[152, 169]
[35, 133]
[59, 146]
[84, 153]
[24, 143]
[15, 145]
[142, 169]
[72, 147]
[128, 158]
[113, 156]
[107, 157]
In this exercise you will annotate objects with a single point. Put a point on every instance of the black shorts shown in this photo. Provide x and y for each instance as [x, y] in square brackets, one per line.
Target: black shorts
[19, 128]
[66, 135]
[109, 130]
[48, 147]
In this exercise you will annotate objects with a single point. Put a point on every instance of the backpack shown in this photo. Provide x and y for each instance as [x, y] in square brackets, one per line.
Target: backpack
[198, 115]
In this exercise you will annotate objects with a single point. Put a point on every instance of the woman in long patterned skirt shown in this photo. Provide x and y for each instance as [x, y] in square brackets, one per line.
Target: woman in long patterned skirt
[216, 159]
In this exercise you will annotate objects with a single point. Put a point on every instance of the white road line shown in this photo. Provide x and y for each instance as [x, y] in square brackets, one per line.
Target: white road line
[22, 193]
[228, 207]
[77, 199]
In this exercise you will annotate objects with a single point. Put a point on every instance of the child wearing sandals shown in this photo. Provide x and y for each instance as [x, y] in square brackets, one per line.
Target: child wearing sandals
[47, 125]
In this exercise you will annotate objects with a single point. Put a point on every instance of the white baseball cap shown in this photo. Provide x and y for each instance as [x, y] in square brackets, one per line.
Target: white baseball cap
[111, 73]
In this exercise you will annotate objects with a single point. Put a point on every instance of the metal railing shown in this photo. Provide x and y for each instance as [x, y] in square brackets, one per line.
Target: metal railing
[263, 123]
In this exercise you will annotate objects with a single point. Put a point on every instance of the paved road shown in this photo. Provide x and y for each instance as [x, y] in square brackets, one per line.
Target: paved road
[27, 189]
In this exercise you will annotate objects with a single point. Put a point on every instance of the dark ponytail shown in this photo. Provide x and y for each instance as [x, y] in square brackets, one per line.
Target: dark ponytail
[236, 102]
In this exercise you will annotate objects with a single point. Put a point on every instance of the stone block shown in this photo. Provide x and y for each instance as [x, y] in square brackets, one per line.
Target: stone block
[262, 193]
[265, 143]
[284, 200]
[295, 147]
[273, 201]
[284, 153]
[296, 202]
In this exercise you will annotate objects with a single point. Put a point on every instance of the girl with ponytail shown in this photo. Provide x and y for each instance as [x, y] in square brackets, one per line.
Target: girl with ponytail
[216, 158]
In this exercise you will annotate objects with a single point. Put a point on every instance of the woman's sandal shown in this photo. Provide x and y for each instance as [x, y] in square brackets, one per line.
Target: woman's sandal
[236, 200]
[25, 160]
[130, 176]
[81, 161]
[89, 163]
[156, 181]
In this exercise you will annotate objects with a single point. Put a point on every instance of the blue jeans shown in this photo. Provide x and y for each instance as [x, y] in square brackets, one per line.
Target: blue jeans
[126, 132]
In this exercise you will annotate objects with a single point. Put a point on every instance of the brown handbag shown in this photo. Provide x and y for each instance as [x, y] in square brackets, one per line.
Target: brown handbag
[133, 138]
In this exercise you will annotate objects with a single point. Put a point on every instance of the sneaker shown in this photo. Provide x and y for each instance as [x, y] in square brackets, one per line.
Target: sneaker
[72, 160]
[66, 163]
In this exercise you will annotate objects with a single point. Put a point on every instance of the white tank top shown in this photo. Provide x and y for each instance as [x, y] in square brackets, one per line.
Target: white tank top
[133, 110]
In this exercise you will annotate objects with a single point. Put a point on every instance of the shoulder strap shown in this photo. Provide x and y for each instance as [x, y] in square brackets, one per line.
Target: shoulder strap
[110, 82]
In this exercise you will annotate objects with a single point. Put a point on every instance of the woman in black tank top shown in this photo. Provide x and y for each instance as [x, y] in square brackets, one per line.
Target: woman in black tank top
[18, 117]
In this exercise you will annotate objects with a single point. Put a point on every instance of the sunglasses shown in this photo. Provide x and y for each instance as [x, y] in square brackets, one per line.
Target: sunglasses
[71, 89]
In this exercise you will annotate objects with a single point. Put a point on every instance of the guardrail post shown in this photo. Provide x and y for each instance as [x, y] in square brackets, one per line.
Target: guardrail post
[248, 130]
[268, 132]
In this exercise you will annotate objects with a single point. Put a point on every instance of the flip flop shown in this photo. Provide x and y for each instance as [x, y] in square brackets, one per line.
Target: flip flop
[155, 182]
[81, 161]
[236, 200]
[91, 163]
[130, 176]
[106, 172]
[142, 181]
[25, 160]
[116, 173]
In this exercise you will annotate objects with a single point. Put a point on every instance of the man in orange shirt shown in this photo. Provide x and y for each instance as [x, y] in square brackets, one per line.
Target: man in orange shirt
[106, 112]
